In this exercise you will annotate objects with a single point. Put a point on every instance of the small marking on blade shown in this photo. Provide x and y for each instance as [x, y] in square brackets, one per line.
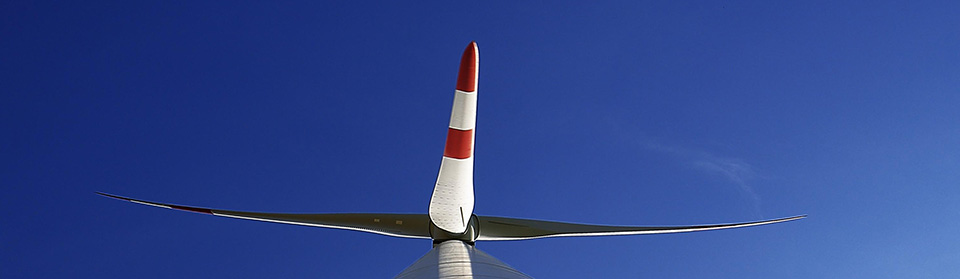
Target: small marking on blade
[376, 220]
[506, 224]
[399, 222]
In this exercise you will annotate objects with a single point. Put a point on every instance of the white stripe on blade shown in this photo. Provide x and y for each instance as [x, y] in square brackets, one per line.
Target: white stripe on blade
[464, 114]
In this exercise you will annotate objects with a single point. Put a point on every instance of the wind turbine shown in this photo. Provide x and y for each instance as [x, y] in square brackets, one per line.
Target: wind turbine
[450, 221]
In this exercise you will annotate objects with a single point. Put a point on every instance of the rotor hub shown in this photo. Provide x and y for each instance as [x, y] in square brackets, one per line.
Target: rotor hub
[469, 235]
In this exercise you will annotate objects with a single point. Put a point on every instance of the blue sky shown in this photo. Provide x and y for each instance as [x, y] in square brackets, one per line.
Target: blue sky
[632, 112]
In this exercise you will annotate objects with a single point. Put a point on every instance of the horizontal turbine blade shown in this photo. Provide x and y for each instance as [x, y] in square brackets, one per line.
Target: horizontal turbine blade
[398, 225]
[501, 228]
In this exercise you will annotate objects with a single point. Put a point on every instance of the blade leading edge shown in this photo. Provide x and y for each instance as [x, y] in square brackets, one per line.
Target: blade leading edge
[502, 228]
[398, 225]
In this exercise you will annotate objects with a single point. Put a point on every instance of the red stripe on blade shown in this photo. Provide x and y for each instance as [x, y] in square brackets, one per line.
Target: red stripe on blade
[459, 144]
[193, 209]
[467, 78]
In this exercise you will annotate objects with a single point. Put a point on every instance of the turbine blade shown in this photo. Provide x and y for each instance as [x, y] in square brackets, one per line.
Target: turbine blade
[398, 225]
[501, 228]
[452, 202]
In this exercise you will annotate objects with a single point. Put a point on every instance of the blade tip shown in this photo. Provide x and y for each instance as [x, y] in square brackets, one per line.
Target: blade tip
[110, 196]
[467, 76]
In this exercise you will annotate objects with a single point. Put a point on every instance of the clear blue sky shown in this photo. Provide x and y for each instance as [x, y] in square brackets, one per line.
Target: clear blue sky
[632, 112]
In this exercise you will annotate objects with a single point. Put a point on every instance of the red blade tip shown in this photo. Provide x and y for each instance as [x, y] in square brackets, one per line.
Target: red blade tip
[467, 77]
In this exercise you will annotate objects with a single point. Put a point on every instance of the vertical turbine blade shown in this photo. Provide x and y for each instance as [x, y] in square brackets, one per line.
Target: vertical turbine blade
[452, 202]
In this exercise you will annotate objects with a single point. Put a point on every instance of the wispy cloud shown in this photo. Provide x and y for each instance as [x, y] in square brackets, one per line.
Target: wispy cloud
[740, 173]
[736, 171]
